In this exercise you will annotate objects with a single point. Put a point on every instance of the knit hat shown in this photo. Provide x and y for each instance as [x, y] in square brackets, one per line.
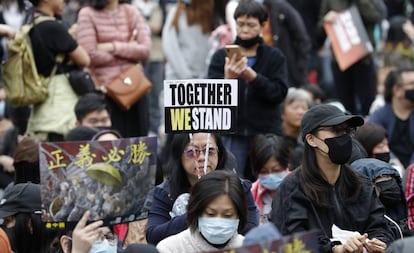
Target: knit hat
[20, 198]
[327, 115]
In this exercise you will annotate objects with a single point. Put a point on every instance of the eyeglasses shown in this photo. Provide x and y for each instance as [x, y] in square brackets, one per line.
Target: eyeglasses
[339, 130]
[195, 152]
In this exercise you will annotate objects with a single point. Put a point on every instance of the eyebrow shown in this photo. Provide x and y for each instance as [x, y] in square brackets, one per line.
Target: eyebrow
[226, 210]
[204, 146]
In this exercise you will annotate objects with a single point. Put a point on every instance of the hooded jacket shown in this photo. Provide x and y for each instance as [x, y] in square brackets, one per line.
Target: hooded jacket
[373, 168]
[290, 36]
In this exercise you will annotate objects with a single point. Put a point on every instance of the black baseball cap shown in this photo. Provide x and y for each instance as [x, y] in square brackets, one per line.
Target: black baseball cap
[20, 198]
[327, 115]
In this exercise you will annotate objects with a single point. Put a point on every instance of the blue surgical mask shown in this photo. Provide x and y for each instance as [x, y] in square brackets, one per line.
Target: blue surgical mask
[102, 247]
[217, 230]
[272, 181]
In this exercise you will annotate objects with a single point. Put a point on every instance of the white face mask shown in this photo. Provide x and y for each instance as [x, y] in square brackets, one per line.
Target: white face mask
[217, 230]
[103, 247]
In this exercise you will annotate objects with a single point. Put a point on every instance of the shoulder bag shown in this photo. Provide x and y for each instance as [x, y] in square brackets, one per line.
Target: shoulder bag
[129, 86]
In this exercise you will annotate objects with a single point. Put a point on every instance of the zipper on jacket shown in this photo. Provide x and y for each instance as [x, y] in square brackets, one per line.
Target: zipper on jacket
[337, 205]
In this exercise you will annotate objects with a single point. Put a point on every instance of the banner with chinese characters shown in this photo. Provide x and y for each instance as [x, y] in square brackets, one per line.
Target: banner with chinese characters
[349, 39]
[306, 242]
[197, 105]
[111, 179]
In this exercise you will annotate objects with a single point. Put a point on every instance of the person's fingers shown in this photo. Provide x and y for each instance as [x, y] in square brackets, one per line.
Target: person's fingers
[376, 244]
[348, 247]
[353, 244]
[93, 226]
[82, 222]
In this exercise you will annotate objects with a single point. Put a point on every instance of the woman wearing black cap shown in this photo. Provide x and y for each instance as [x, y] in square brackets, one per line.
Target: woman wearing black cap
[325, 191]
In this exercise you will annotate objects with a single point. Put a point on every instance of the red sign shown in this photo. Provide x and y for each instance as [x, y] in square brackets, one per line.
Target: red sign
[348, 36]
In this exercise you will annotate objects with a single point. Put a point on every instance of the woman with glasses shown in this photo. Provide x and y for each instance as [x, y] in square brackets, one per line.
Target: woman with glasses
[191, 157]
[261, 72]
[325, 193]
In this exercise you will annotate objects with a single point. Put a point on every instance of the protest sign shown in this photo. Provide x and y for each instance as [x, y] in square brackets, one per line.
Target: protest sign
[111, 179]
[305, 242]
[198, 105]
[349, 39]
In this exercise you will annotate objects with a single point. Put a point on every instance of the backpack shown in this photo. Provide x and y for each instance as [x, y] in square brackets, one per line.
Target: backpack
[22, 83]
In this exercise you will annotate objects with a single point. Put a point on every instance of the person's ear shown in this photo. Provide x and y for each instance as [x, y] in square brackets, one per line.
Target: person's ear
[309, 138]
[77, 123]
[65, 242]
[398, 90]
[10, 221]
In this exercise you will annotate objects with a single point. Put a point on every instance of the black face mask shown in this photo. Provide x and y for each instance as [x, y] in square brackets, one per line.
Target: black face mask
[390, 192]
[409, 94]
[340, 148]
[385, 157]
[248, 43]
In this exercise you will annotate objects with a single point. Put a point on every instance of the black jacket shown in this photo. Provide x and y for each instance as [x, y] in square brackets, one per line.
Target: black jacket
[290, 36]
[258, 103]
[293, 212]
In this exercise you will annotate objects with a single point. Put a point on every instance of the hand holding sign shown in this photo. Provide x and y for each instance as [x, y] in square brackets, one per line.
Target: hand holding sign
[85, 235]
[349, 39]
[330, 17]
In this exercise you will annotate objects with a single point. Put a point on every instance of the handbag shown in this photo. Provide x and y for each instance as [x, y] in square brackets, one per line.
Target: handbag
[81, 81]
[128, 87]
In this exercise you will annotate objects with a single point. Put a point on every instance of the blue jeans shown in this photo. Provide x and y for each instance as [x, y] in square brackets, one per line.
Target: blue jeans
[154, 71]
[239, 145]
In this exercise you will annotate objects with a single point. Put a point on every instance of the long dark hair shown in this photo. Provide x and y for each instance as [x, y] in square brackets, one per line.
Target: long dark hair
[315, 186]
[35, 240]
[178, 178]
[212, 186]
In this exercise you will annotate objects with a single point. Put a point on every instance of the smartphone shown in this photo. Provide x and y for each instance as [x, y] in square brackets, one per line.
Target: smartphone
[233, 50]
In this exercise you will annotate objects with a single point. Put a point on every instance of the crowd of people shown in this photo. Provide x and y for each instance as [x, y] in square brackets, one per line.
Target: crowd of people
[315, 147]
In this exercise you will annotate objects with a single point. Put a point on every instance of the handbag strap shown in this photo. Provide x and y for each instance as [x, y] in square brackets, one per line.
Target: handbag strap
[131, 38]
[134, 31]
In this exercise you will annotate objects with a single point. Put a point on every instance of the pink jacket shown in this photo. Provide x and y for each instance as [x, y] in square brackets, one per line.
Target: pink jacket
[100, 26]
